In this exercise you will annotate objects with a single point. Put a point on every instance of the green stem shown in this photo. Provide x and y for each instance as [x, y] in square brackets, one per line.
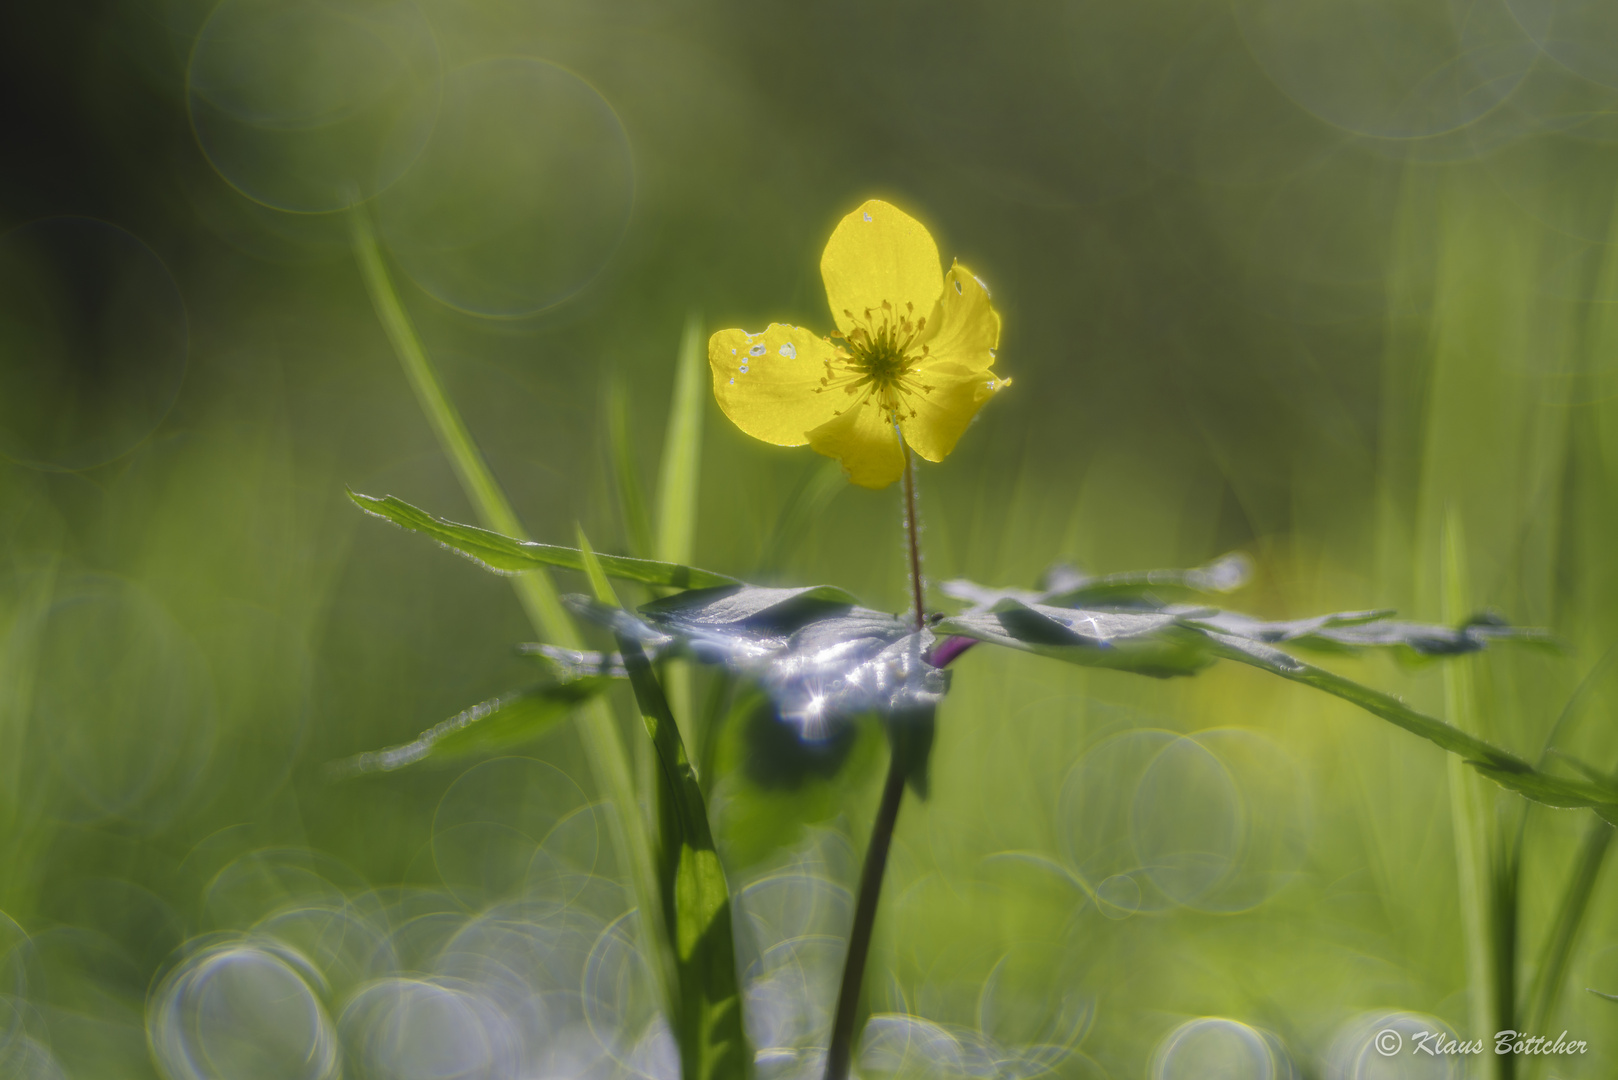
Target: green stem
[1485, 875]
[918, 589]
[1546, 991]
[839, 1051]
[534, 589]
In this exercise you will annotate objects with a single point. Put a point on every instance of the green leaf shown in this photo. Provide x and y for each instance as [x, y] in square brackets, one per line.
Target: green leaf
[1501, 766]
[1146, 643]
[910, 741]
[1165, 641]
[1064, 586]
[822, 660]
[769, 786]
[707, 1017]
[705, 999]
[1225, 574]
[506, 555]
[775, 610]
[490, 725]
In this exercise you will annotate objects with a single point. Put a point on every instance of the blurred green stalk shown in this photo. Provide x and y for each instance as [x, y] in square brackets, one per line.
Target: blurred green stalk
[1485, 874]
[534, 589]
[678, 482]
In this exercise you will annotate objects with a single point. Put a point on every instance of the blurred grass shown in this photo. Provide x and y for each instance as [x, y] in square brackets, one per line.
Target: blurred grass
[1310, 343]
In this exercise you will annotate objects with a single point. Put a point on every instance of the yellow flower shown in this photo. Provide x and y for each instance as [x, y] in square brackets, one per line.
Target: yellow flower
[912, 355]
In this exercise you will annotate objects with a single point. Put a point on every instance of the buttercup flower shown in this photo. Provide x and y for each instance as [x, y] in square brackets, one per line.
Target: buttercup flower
[912, 356]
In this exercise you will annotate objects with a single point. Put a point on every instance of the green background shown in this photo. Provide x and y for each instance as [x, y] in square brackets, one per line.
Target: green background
[1312, 280]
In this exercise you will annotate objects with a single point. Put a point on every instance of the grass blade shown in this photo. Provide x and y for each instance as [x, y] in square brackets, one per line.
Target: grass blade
[705, 996]
[598, 732]
[678, 484]
[1489, 963]
[506, 554]
[1546, 990]
[535, 591]
[1550, 974]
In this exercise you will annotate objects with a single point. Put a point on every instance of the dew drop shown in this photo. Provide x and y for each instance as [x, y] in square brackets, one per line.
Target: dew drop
[790, 351]
[744, 367]
[957, 286]
[867, 215]
[757, 350]
[733, 380]
[733, 352]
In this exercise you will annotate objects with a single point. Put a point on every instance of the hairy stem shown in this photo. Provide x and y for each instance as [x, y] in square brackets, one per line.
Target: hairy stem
[840, 1050]
[918, 589]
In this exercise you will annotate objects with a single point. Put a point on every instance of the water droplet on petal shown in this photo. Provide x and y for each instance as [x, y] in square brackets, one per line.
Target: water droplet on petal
[867, 215]
[757, 350]
[744, 367]
[957, 285]
[790, 351]
[982, 286]
[733, 380]
[733, 352]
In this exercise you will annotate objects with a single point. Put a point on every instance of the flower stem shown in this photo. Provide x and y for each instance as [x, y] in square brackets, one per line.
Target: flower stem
[859, 938]
[840, 1050]
[913, 537]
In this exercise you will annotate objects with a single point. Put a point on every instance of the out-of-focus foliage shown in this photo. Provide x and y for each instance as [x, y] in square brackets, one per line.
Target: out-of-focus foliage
[1312, 281]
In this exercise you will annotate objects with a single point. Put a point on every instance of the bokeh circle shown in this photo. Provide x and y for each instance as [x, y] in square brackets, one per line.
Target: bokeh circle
[1455, 61]
[128, 699]
[311, 106]
[1214, 1048]
[241, 1009]
[521, 196]
[419, 1029]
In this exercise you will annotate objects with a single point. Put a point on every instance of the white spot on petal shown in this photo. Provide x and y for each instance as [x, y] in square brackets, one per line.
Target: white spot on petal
[790, 351]
[733, 380]
[867, 215]
[757, 350]
[744, 367]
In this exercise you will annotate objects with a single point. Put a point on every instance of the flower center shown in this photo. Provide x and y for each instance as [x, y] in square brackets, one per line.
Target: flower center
[878, 359]
[881, 355]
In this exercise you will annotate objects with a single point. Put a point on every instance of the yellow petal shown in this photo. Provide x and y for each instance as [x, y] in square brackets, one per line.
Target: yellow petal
[769, 383]
[963, 328]
[879, 253]
[942, 412]
[863, 439]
